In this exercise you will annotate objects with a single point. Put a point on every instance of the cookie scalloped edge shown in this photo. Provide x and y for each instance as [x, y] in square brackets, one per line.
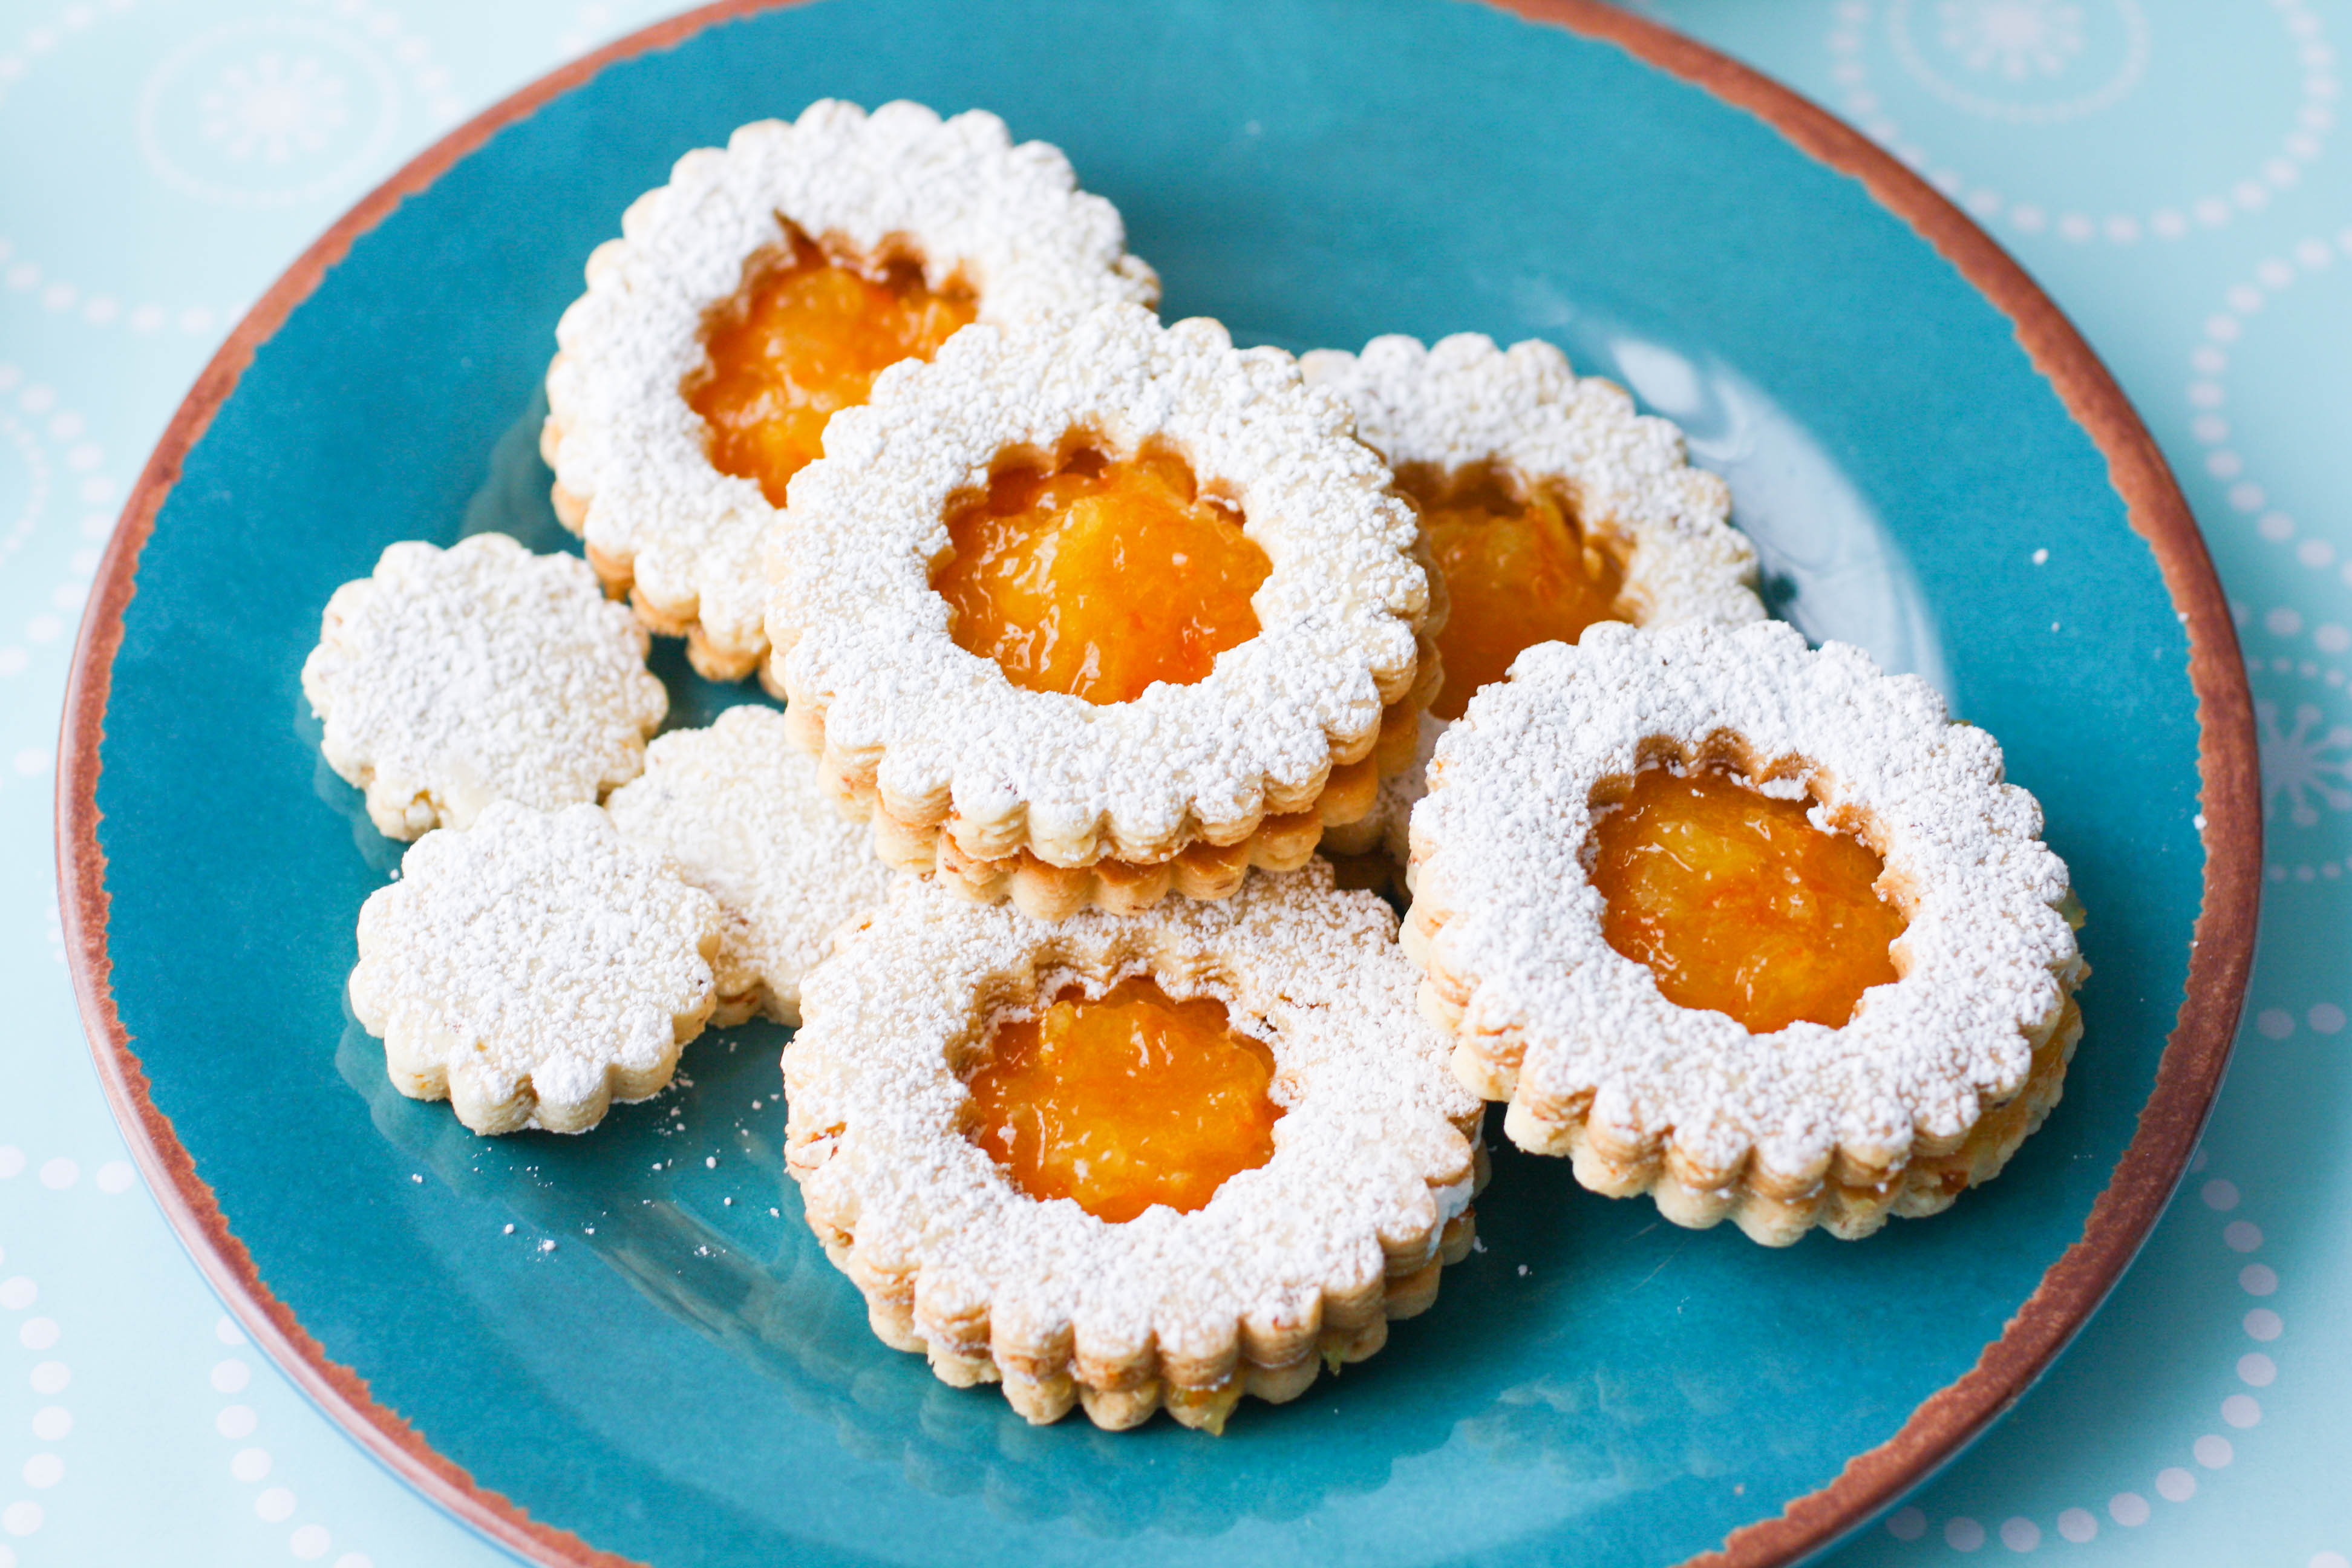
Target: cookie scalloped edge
[939, 737]
[634, 475]
[449, 678]
[1296, 1265]
[1930, 1086]
[1202, 870]
[534, 968]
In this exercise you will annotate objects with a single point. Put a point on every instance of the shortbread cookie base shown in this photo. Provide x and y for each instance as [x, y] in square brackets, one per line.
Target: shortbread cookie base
[533, 969]
[1116, 1395]
[446, 679]
[1292, 1267]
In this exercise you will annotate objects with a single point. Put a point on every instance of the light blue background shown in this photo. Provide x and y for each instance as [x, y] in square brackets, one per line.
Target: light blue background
[2168, 168]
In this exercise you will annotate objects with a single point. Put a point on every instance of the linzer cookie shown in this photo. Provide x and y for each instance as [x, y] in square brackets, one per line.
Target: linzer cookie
[972, 1146]
[739, 810]
[1100, 612]
[760, 291]
[534, 968]
[1548, 505]
[1754, 929]
[451, 678]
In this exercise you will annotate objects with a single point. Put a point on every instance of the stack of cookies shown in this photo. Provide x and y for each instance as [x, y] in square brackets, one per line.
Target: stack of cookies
[1089, 633]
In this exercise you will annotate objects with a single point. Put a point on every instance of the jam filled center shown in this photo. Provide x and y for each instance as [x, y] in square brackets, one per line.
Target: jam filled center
[1517, 566]
[803, 339]
[1100, 578]
[1123, 1102]
[1738, 903]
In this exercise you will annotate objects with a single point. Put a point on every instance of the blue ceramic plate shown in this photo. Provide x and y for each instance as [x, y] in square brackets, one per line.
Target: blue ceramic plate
[629, 1343]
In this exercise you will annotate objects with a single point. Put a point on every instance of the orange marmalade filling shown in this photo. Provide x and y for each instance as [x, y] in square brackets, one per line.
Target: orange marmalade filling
[1738, 903]
[1124, 1102]
[804, 338]
[1518, 567]
[1100, 578]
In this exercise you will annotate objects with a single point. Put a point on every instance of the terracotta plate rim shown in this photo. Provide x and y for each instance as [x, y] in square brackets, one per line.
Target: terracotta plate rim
[2188, 1076]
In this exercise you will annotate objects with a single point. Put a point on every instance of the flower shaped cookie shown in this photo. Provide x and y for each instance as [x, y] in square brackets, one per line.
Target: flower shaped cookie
[1290, 1264]
[1921, 1088]
[883, 221]
[534, 968]
[1058, 799]
[450, 678]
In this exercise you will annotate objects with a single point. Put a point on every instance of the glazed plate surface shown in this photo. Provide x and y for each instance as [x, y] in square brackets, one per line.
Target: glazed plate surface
[628, 1342]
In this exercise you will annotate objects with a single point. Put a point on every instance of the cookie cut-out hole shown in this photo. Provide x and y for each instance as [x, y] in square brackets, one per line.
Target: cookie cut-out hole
[1102, 575]
[803, 339]
[1519, 567]
[1735, 902]
[1123, 1101]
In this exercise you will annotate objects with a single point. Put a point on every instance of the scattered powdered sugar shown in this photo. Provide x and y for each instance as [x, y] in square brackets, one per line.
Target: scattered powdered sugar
[535, 967]
[1509, 927]
[1464, 401]
[743, 815]
[1374, 1152]
[862, 639]
[453, 678]
[1007, 221]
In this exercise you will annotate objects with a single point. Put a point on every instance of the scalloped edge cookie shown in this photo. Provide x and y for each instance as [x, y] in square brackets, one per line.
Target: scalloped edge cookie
[634, 476]
[1294, 1265]
[938, 738]
[533, 968]
[1462, 400]
[739, 810]
[449, 678]
[1939, 1075]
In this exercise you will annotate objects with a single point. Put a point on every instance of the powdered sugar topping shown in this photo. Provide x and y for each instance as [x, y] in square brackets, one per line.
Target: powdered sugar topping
[1007, 221]
[535, 967]
[450, 678]
[1509, 927]
[862, 639]
[741, 813]
[1374, 1142]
